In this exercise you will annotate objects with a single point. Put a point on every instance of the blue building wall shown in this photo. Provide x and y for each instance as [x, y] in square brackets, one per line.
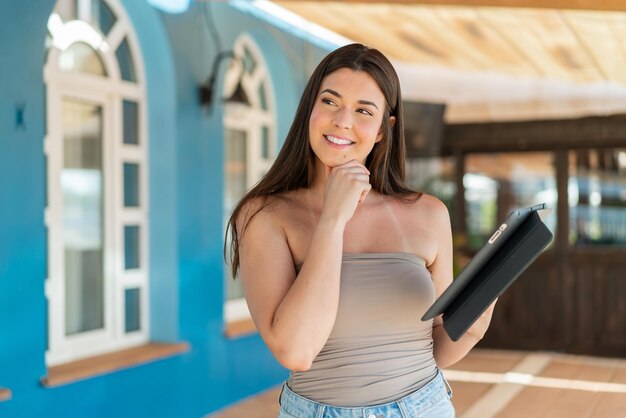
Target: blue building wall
[186, 185]
[22, 239]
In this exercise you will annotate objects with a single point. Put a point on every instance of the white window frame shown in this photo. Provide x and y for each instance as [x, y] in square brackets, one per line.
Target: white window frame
[109, 93]
[251, 120]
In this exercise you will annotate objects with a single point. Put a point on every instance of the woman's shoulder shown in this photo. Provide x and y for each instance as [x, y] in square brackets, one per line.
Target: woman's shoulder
[275, 208]
[426, 206]
[422, 200]
[432, 203]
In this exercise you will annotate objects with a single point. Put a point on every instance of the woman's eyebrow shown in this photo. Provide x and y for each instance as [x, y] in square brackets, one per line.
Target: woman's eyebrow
[334, 93]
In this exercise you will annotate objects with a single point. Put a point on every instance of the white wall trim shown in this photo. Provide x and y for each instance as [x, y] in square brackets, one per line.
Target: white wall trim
[108, 93]
[251, 120]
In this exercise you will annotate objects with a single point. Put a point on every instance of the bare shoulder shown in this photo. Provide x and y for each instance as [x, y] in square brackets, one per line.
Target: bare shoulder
[260, 209]
[427, 207]
[433, 207]
[254, 212]
[420, 222]
[276, 212]
[262, 236]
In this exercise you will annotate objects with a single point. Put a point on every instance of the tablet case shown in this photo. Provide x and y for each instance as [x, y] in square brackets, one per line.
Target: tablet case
[509, 251]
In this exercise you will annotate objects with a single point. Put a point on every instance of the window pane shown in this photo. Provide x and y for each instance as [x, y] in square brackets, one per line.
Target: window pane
[131, 247]
[249, 63]
[496, 184]
[66, 9]
[262, 96]
[131, 185]
[235, 165]
[82, 58]
[125, 61]
[82, 188]
[234, 289]
[103, 17]
[45, 190]
[131, 122]
[235, 186]
[481, 197]
[597, 197]
[434, 176]
[132, 310]
[265, 142]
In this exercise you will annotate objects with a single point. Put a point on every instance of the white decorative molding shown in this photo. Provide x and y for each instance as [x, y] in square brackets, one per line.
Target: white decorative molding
[108, 93]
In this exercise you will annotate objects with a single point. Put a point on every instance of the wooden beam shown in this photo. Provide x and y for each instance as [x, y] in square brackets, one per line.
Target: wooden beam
[594, 131]
[604, 5]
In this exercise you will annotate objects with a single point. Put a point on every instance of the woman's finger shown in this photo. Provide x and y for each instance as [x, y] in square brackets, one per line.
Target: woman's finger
[352, 164]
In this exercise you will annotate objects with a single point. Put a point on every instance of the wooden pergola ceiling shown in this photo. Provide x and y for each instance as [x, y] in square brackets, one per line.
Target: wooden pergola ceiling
[528, 38]
[605, 5]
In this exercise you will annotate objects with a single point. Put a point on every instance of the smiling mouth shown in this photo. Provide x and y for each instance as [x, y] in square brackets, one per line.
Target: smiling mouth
[338, 141]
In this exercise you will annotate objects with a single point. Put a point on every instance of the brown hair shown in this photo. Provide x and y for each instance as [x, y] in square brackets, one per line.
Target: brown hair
[294, 168]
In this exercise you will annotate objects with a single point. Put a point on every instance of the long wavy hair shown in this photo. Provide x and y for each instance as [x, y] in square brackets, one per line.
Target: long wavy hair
[294, 167]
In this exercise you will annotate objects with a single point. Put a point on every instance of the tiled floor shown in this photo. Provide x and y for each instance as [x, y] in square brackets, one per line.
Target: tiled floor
[511, 384]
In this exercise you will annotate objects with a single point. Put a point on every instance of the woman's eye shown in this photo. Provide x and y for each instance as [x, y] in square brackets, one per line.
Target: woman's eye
[330, 102]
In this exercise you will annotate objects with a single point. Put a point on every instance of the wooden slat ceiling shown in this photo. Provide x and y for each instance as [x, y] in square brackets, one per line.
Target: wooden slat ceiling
[606, 5]
[579, 46]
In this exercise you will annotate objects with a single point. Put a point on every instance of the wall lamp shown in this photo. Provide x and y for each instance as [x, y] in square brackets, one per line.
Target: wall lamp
[206, 90]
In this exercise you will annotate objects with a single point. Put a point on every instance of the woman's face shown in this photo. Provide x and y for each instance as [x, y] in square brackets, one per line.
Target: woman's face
[346, 118]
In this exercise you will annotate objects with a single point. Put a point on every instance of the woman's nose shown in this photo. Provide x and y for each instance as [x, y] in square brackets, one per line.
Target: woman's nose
[343, 118]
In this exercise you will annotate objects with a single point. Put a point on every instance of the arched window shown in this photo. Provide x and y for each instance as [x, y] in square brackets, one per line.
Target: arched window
[97, 202]
[249, 144]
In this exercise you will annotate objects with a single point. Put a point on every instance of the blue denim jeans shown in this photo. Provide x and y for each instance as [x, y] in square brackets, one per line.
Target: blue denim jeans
[430, 401]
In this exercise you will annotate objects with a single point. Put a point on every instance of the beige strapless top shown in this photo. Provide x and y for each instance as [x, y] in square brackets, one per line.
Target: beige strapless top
[379, 350]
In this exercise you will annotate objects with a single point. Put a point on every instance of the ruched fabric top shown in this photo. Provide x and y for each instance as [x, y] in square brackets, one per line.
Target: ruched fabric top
[379, 350]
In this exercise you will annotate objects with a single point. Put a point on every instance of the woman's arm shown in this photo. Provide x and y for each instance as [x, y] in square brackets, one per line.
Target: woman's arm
[295, 313]
[446, 351]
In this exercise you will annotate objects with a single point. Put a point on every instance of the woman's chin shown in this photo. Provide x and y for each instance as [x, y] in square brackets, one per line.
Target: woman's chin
[337, 160]
[334, 162]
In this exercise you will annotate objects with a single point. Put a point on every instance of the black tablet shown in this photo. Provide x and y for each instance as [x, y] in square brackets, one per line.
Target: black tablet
[508, 252]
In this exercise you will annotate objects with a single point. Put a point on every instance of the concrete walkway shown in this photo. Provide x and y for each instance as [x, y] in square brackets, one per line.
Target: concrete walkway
[511, 384]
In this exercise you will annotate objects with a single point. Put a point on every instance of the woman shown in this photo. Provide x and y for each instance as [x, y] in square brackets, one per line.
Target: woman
[339, 258]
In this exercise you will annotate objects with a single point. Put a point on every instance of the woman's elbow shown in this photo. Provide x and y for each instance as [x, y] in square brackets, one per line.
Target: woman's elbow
[293, 359]
[296, 365]
[443, 363]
